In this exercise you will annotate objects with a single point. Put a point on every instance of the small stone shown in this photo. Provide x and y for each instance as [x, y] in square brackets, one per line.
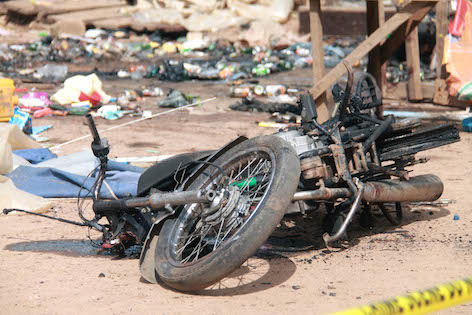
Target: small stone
[101, 275]
[358, 297]
[332, 294]
[323, 292]
[331, 287]
[296, 287]
[41, 282]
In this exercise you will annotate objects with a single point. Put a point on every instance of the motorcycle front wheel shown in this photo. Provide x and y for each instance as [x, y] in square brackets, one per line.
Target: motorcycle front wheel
[205, 243]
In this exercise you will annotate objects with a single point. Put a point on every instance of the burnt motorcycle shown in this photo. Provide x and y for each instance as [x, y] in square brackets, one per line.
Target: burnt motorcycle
[198, 216]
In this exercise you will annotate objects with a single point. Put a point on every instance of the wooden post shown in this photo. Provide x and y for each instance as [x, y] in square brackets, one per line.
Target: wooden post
[321, 100]
[376, 18]
[441, 94]
[415, 92]
[398, 27]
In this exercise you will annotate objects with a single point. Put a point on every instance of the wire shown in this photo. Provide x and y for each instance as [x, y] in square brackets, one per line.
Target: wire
[134, 121]
[81, 200]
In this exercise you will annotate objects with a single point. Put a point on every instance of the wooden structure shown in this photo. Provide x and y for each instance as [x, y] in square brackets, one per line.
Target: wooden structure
[384, 38]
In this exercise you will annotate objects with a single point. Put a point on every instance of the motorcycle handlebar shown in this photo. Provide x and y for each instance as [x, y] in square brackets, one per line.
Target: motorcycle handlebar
[93, 128]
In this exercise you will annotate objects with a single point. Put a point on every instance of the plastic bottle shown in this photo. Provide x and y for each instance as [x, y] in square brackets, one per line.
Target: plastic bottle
[276, 89]
[239, 91]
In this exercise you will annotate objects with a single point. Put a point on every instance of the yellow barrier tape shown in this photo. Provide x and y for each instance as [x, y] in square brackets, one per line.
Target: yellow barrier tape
[420, 302]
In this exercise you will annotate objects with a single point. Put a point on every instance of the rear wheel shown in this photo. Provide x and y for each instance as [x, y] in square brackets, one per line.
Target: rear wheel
[207, 242]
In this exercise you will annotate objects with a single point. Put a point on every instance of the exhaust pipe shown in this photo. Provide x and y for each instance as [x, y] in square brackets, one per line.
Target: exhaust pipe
[419, 188]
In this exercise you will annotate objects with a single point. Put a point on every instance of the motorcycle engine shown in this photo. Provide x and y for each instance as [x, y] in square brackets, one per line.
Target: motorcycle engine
[299, 141]
[313, 168]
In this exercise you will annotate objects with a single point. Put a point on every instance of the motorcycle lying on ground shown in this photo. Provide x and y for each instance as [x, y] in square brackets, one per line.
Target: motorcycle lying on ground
[198, 216]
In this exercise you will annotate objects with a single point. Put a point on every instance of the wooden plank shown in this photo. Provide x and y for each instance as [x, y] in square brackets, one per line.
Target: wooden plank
[323, 109]
[376, 18]
[415, 92]
[441, 94]
[410, 15]
[58, 7]
[399, 91]
[74, 6]
[398, 37]
[87, 16]
[334, 21]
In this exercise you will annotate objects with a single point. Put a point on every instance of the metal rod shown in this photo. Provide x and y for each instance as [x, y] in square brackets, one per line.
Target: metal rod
[322, 194]
[355, 205]
[7, 211]
[377, 133]
[159, 200]
[347, 91]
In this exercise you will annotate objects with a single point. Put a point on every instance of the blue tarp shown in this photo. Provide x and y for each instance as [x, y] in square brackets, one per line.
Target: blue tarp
[51, 182]
[35, 156]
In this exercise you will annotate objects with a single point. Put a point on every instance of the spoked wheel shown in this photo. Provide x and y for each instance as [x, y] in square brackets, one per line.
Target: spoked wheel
[207, 242]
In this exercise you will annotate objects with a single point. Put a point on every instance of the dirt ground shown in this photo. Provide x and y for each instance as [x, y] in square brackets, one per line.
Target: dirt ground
[428, 248]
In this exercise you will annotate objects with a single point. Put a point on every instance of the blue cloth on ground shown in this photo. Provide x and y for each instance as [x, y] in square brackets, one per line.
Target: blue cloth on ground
[35, 156]
[50, 182]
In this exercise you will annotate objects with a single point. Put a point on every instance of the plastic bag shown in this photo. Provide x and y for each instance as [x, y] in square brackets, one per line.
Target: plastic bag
[74, 86]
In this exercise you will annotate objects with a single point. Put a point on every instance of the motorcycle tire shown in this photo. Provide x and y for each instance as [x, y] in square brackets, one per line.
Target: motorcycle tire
[199, 248]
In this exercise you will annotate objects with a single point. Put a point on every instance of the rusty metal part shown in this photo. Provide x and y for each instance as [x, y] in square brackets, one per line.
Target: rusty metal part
[347, 91]
[322, 194]
[379, 169]
[398, 210]
[354, 207]
[159, 200]
[418, 188]
[314, 167]
[378, 132]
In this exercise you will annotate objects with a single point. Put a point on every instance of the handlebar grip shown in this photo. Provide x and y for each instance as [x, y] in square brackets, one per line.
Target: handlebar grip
[93, 128]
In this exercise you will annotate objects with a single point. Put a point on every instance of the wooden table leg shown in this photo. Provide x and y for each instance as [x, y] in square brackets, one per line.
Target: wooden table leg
[376, 18]
[323, 109]
[415, 90]
[441, 94]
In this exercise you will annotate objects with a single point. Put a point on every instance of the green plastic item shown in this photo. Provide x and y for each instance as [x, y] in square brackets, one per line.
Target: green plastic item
[250, 182]
[58, 107]
[78, 111]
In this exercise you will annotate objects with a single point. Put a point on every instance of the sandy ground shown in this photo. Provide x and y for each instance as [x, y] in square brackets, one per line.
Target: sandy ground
[428, 248]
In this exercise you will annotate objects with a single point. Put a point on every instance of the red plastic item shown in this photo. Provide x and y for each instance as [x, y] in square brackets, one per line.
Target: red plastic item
[21, 90]
[457, 25]
[43, 112]
[94, 98]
